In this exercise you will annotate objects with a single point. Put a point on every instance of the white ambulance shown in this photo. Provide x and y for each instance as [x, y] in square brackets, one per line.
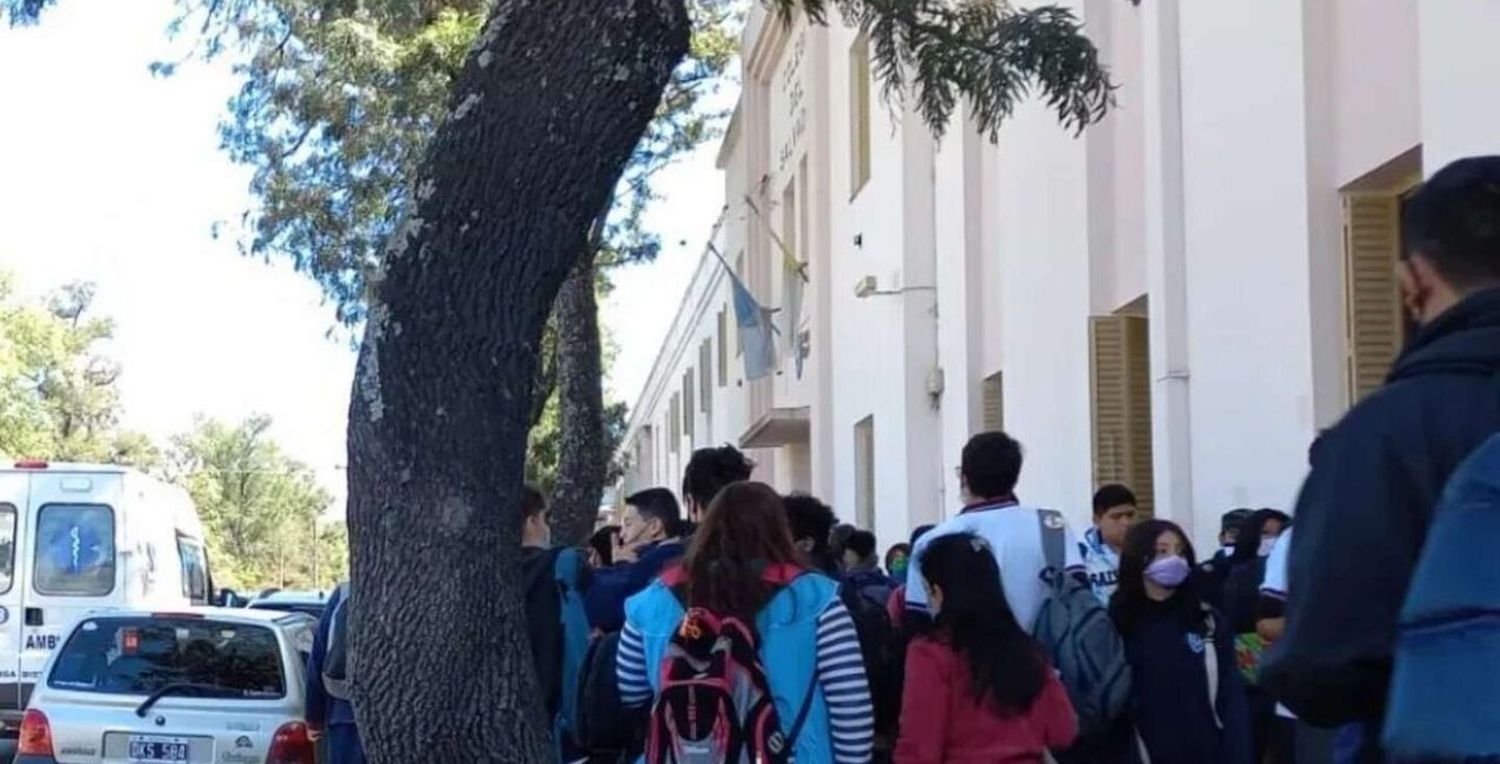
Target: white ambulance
[79, 539]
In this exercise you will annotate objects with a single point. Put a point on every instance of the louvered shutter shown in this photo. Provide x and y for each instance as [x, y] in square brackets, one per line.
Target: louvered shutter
[1121, 404]
[1372, 243]
[993, 393]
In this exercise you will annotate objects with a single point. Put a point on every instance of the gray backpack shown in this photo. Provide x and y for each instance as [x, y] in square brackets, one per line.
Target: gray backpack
[1079, 638]
[336, 656]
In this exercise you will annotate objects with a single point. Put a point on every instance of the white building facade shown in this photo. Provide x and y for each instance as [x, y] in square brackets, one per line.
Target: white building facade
[1179, 299]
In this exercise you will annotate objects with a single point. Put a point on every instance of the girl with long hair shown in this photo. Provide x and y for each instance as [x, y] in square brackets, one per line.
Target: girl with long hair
[1187, 696]
[743, 565]
[978, 689]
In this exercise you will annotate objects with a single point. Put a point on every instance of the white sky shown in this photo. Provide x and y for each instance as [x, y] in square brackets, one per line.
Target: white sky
[111, 176]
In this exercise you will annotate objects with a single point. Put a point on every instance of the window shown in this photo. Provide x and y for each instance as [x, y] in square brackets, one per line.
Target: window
[864, 473]
[993, 394]
[7, 547]
[859, 114]
[688, 414]
[705, 379]
[674, 424]
[194, 570]
[141, 655]
[724, 346]
[1120, 389]
[789, 219]
[1372, 302]
[75, 551]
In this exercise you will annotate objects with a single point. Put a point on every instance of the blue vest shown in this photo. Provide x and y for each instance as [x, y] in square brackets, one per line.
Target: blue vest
[788, 627]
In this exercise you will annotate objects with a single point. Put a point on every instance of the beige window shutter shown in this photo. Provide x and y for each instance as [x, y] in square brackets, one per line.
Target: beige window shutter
[1120, 387]
[674, 427]
[993, 394]
[705, 377]
[723, 346]
[688, 415]
[864, 473]
[1372, 302]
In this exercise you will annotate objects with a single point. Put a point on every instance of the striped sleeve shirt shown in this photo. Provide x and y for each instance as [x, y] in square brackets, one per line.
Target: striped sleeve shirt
[841, 674]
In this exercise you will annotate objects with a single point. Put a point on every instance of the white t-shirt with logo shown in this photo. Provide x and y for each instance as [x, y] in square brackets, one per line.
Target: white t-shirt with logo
[1014, 534]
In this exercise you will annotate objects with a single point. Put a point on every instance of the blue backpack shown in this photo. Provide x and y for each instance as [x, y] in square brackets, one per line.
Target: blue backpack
[1445, 699]
[569, 571]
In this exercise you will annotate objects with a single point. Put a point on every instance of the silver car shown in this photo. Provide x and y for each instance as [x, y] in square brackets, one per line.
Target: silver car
[208, 685]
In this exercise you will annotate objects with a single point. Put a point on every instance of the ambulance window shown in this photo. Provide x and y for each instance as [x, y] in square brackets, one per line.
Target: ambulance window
[194, 571]
[75, 550]
[7, 547]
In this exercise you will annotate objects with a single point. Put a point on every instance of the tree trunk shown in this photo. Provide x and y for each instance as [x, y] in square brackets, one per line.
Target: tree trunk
[580, 389]
[550, 103]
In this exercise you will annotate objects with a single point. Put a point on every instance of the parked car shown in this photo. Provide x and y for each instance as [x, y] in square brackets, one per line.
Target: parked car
[311, 603]
[77, 539]
[210, 685]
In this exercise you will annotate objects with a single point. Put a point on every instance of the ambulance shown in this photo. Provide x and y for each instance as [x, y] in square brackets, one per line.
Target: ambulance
[85, 539]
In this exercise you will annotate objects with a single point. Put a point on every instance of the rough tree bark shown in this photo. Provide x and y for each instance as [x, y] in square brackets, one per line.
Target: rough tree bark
[580, 389]
[550, 103]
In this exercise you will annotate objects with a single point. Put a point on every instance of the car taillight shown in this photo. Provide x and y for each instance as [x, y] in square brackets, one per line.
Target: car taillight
[32, 464]
[36, 735]
[292, 746]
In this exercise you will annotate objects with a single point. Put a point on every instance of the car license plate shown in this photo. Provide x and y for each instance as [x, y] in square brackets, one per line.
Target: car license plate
[144, 748]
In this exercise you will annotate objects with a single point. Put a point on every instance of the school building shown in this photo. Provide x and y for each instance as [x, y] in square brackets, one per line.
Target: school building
[1178, 299]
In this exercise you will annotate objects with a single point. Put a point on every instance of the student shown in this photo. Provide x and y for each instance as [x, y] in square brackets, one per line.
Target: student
[895, 561]
[1241, 596]
[1114, 513]
[742, 565]
[1365, 508]
[651, 531]
[862, 569]
[838, 537]
[978, 690]
[1291, 740]
[1187, 695]
[707, 472]
[991, 465]
[1215, 572]
[548, 576]
[897, 604]
[811, 522]
[329, 710]
[602, 546]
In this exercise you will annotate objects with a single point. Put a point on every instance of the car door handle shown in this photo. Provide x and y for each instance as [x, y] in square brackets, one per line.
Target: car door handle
[33, 616]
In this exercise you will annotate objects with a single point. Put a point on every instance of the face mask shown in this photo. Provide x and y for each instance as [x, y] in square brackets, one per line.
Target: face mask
[1168, 572]
[898, 570]
[1266, 545]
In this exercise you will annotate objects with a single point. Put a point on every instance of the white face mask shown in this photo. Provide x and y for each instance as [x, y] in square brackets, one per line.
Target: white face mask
[1266, 545]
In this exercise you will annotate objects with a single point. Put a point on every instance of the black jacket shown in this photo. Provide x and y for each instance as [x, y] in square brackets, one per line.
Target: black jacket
[1364, 512]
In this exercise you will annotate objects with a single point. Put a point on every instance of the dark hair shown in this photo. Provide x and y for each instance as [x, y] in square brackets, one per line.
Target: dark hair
[901, 548]
[710, 469]
[1453, 220]
[603, 542]
[1005, 664]
[532, 502]
[1234, 519]
[809, 518]
[659, 503]
[1247, 543]
[861, 543]
[731, 549]
[838, 536]
[1130, 598]
[1111, 496]
[991, 465]
[918, 532]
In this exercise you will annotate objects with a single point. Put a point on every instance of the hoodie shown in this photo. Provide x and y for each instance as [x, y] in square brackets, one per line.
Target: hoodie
[1364, 511]
[610, 587]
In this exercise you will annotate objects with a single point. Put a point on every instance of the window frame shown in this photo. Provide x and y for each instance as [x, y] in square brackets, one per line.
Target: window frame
[184, 542]
[9, 565]
[114, 563]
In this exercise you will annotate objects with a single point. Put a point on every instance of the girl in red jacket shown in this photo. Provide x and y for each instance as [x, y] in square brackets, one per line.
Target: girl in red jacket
[978, 690]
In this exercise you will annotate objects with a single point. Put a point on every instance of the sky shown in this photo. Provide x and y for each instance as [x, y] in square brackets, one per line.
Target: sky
[112, 176]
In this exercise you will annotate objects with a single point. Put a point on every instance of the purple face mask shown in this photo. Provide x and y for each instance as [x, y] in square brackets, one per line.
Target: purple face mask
[1168, 572]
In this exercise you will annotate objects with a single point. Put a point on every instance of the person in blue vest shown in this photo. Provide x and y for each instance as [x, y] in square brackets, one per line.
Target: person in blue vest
[742, 564]
[1376, 476]
[330, 719]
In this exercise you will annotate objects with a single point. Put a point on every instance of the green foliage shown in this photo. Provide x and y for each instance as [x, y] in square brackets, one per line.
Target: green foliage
[542, 444]
[261, 508]
[58, 396]
[983, 52]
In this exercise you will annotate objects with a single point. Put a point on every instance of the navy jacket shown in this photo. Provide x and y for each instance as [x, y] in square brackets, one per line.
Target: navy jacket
[324, 709]
[610, 587]
[1169, 691]
[1364, 511]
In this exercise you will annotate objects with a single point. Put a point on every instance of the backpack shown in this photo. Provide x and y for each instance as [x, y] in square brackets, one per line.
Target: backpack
[603, 723]
[1078, 637]
[569, 571]
[877, 642]
[336, 655]
[1444, 699]
[714, 705]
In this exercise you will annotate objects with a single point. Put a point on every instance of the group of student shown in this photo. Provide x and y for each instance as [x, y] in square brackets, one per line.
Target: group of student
[753, 628]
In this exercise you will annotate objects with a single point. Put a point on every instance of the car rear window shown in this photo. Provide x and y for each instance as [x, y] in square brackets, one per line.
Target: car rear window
[75, 550]
[138, 656]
